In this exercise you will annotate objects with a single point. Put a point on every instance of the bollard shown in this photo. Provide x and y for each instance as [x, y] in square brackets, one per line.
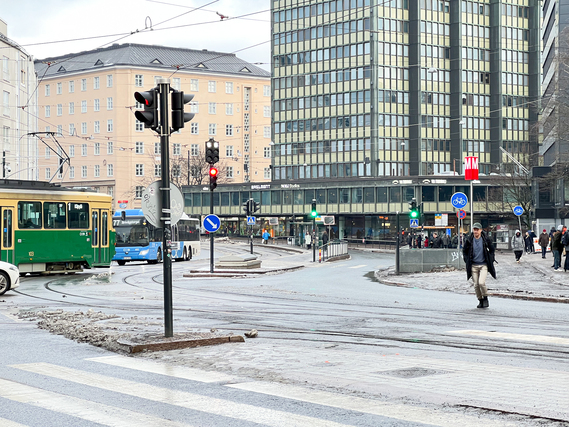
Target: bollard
[320, 255]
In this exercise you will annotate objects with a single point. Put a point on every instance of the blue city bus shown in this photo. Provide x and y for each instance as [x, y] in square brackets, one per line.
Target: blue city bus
[138, 240]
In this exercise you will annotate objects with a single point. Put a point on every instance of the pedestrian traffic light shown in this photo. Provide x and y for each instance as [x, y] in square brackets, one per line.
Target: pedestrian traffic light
[212, 151]
[213, 172]
[150, 114]
[313, 213]
[414, 212]
[179, 117]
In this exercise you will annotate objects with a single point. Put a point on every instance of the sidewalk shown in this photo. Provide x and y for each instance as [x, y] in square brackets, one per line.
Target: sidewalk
[532, 279]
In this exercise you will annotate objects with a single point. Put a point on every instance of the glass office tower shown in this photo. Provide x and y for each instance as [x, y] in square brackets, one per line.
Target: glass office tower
[373, 88]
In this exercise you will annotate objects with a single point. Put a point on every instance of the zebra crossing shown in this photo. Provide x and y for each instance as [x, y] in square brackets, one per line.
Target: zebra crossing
[162, 396]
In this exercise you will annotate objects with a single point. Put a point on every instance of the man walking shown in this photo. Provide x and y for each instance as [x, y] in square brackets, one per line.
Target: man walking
[557, 248]
[544, 242]
[478, 254]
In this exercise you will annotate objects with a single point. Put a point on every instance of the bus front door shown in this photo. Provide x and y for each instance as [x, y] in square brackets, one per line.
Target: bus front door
[7, 238]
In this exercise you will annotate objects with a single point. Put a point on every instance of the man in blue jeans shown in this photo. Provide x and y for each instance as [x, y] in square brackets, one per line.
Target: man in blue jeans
[557, 248]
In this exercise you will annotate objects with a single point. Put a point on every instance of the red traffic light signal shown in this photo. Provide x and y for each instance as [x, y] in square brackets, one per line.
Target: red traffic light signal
[150, 114]
[213, 172]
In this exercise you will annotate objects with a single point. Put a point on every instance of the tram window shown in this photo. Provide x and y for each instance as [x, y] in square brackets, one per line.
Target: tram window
[29, 215]
[78, 215]
[7, 227]
[104, 229]
[54, 215]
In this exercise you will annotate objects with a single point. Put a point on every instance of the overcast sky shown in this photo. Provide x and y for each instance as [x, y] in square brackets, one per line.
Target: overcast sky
[43, 27]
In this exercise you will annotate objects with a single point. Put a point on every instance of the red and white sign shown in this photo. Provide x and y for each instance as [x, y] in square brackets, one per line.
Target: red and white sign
[470, 168]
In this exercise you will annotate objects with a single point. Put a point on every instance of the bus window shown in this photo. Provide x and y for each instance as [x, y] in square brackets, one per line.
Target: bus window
[78, 215]
[7, 226]
[54, 215]
[29, 215]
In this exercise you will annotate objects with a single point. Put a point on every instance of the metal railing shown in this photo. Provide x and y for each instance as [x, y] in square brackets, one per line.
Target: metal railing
[333, 249]
[372, 244]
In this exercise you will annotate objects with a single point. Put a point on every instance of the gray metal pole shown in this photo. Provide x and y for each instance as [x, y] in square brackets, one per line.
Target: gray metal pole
[471, 204]
[164, 90]
[397, 246]
[211, 234]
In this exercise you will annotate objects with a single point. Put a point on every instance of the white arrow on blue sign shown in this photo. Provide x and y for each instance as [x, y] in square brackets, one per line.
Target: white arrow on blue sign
[211, 223]
[518, 210]
[251, 220]
[459, 200]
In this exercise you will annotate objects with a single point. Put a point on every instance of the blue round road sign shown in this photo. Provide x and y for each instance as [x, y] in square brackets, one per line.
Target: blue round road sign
[518, 210]
[211, 223]
[459, 200]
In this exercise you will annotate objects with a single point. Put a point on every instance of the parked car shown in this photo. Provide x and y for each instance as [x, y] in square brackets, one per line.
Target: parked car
[9, 277]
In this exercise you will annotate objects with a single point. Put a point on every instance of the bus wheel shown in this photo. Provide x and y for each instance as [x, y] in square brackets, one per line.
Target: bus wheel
[121, 262]
[185, 255]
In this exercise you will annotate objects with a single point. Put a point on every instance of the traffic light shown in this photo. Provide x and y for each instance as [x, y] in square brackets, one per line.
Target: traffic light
[246, 208]
[213, 178]
[212, 151]
[150, 114]
[254, 206]
[413, 209]
[179, 117]
[313, 213]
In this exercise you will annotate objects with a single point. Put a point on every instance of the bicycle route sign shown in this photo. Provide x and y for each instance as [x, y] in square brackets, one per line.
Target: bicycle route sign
[459, 200]
[518, 210]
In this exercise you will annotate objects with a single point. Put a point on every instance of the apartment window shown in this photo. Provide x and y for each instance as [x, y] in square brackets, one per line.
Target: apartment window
[97, 148]
[109, 103]
[96, 105]
[267, 173]
[47, 90]
[58, 88]
[139, 80]
[266, 90]
[228, 130]
[71, 129]
[194, 107]
[194, 129]
[83, 171]
[194, 85]
[212, 129]
[60, 130]
[138, 126]
[72, 108]
[138, 191]
[97, 171]
[47, 173]
[176, 149]
[139, 147]
[47, 152]
[211, 86]
[109, 80]
[176, 171]
[59, 109]
[97, 126]
[83, 85]
[83, 149]
[48, 111]
[110, 169]
[229, 172]
[72, 151]
[71, 86]
[194, 149]
[228, 87]
[266, 132]
[139, 169]
[157, 149]
[176, 83]
[157, 170]
[96, 83]
[83, 106]
[6, 137]
[229, 151]
[110, 125]
[229, 109]
[267, 111]
[110, 147]
[83, 128]
[72, 172]
[267, 152]
[212, 108]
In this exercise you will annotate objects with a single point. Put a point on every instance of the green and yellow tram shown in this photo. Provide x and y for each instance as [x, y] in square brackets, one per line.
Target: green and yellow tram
[50, 229]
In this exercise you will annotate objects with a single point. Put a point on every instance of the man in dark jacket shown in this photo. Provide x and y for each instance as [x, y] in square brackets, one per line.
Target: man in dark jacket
[544, 242]
[478, 253]
[557, 248]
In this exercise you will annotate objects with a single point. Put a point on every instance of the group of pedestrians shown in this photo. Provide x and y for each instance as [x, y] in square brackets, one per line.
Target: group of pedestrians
[436, 241]
[559, 244]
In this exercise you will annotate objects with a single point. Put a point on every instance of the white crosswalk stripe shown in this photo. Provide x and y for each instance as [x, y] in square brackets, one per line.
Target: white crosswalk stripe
[7, 423]
[79, 408]
[206, 404]
[358, 266]
[544, 339]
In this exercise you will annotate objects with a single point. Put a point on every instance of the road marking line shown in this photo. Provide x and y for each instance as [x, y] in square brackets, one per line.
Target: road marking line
[358, 266]
[164, 369]
[519, 337]
[79, 408]
[7, 423]
[196, 402]
[368, 406]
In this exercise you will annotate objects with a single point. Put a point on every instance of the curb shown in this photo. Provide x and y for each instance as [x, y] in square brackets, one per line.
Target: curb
[179, 344]
[237, 273]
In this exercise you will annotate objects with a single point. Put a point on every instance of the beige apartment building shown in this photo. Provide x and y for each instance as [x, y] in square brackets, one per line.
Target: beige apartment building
[87, 101]
[18, 105]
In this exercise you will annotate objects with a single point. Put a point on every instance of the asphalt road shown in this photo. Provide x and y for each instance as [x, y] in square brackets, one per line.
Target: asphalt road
[334, 346]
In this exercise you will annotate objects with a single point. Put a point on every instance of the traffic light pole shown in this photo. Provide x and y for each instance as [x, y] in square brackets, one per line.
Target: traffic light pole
[313, 239]
[397, 246]
[164, 91]
[211, 234]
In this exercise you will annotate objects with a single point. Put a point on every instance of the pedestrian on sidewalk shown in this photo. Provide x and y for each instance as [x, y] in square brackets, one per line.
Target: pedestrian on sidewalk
[308, 240]
[565, 243]
[557, 248]
[478, 254]
[528, 242]
[544, 242]
[518, 245]
[445, 240]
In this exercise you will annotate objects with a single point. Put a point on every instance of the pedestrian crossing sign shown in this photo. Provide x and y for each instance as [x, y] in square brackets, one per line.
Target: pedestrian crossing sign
[413, 223]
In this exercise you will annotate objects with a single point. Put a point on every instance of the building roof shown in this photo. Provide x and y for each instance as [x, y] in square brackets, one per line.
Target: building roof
[139, 55]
